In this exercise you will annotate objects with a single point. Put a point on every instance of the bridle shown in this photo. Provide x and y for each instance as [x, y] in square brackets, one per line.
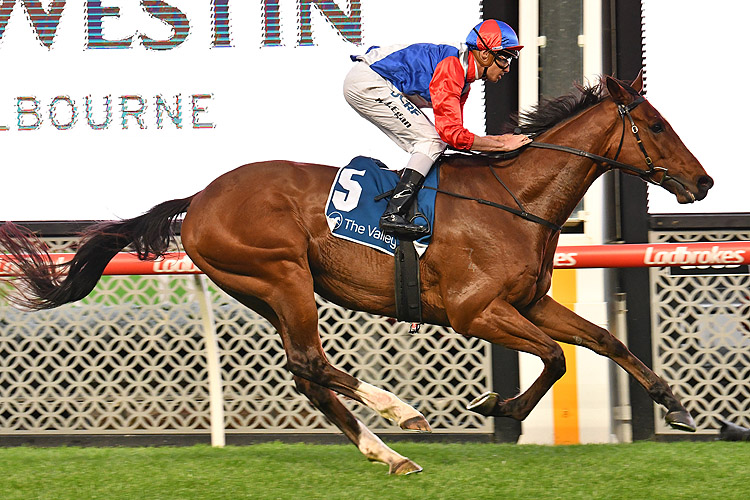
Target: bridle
[645, 174]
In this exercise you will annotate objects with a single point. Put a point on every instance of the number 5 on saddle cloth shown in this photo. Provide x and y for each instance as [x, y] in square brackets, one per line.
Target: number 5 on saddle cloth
[353, 211]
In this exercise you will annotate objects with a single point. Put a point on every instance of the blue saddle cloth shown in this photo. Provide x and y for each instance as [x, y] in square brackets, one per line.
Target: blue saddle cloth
[353, 214]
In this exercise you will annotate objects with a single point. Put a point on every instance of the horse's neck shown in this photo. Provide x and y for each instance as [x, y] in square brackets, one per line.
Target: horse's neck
[564, 178]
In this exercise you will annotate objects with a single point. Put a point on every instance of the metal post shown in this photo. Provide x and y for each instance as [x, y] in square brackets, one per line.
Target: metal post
[215, 390]
[622, 412]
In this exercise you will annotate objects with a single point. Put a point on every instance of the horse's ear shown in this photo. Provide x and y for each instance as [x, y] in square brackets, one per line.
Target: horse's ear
[619, 94]
[638, 82]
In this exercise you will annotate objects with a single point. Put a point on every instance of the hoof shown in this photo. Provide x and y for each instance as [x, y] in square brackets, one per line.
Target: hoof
[404, 467]
[484, 404]
[733, 432]
[418, 423]
[681, 420]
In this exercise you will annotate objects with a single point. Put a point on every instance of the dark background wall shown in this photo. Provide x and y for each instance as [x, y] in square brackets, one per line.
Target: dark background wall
[501, 101]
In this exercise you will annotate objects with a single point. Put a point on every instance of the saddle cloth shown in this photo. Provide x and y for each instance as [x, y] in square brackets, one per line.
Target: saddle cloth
[354, 215]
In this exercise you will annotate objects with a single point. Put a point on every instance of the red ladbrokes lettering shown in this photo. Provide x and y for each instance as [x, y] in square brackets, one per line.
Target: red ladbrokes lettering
[684, 257]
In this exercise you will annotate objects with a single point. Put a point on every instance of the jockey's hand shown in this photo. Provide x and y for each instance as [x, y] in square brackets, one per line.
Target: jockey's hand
[505, 142]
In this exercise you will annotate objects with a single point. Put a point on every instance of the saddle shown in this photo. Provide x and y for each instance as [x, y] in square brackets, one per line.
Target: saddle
[357, 199]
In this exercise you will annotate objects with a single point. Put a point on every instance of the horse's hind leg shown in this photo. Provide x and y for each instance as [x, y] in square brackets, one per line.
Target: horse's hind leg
[298, 326]
[287, 300]
[368, 443]
[564, 325]
[326, 401]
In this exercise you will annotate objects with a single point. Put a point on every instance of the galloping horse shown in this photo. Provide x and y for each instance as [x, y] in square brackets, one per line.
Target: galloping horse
[260, 233]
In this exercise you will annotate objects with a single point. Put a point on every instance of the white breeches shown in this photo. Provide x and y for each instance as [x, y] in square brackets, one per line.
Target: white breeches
[377, 100]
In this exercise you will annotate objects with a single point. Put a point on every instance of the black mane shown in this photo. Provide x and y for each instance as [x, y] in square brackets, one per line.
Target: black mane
[550, 112]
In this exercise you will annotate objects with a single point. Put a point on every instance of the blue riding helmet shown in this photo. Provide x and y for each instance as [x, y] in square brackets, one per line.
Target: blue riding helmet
[495, 36]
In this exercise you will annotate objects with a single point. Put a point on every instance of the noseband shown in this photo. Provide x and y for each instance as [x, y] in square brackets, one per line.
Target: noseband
[645, 174]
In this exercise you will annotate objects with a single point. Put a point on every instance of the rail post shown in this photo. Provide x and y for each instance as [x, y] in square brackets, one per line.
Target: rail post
[213, 363]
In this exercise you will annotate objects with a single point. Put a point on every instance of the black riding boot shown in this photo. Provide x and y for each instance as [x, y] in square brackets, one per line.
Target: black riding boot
[404, 194]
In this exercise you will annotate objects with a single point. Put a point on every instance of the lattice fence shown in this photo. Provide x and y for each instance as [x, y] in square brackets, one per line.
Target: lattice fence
[130, 359]
[701, 337]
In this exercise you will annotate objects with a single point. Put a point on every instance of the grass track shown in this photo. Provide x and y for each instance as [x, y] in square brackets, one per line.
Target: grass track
[643, 470]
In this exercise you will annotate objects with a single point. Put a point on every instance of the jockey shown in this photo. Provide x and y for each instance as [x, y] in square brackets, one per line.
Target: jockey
[389, 85]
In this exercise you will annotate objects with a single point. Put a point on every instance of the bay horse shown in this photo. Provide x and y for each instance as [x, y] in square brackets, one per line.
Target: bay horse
[260, 233]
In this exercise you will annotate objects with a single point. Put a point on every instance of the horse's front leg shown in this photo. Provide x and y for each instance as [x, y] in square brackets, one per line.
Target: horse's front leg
[564, 325]
[500, 323]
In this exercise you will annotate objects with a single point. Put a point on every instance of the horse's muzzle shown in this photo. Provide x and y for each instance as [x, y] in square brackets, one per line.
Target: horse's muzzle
[687, 191]
[704, 184]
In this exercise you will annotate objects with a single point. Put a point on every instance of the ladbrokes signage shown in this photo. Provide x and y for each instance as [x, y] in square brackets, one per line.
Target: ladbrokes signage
[108, 107]
[684, 256]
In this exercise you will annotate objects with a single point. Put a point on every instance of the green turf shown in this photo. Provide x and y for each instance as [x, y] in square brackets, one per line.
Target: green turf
[710, 470]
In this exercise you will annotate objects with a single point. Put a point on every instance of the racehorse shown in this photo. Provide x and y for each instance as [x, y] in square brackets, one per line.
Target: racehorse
[260, 233]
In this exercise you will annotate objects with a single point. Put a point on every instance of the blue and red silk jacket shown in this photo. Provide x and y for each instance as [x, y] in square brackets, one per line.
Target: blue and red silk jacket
[439, 75]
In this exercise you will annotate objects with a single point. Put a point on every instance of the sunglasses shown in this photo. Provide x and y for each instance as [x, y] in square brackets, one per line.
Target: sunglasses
[502, 62]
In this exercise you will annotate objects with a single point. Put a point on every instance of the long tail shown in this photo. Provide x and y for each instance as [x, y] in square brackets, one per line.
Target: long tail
[45, 285]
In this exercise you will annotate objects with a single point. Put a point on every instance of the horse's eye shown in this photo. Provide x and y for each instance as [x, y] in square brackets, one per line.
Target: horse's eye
[657, 128]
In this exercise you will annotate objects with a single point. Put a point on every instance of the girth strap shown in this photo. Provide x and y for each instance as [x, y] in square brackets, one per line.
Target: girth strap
[407, 283]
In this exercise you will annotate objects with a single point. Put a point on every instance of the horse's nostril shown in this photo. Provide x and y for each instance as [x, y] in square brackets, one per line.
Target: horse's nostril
[705, 183]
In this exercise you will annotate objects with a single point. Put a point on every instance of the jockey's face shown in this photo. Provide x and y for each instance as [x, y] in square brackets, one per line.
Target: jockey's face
[499, 67]
[496, 64]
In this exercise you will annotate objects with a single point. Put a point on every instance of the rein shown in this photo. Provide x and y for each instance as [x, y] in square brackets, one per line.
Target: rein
[646, 175]
[624, 112]
[520, 211]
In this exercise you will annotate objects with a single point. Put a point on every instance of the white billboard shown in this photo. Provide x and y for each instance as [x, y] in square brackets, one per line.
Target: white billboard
[695, 55]
[108, 107]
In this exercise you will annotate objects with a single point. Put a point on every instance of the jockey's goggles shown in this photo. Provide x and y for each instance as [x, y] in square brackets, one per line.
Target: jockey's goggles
[502, 61]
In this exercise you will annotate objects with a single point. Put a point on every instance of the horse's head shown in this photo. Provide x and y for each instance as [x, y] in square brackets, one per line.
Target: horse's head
[651, 144]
